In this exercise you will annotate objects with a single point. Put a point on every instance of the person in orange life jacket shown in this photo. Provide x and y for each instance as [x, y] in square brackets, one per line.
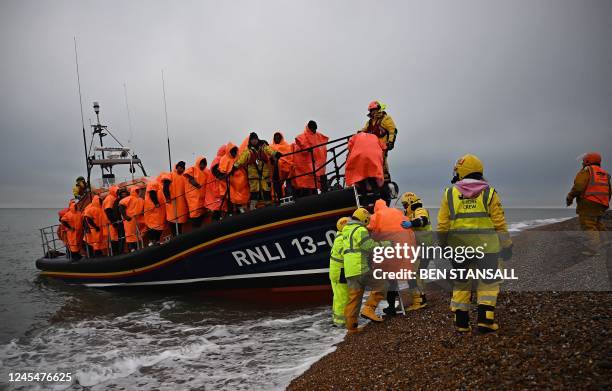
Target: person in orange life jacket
[214, 197]
[95, 229]
[154, 211]
[131, 208]
[257, 157]
[72, 221]
[592, 193]
[364, 163]
[113, 216]
[196, 186]
[282, 170]
[173, 186]
[234, 184]
[304, 181]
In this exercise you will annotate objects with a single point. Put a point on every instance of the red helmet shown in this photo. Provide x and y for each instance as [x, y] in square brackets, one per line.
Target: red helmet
[374, 105]
[591, 158]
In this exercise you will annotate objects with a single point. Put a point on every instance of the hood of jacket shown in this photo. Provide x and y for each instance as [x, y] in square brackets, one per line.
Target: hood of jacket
[471, 188]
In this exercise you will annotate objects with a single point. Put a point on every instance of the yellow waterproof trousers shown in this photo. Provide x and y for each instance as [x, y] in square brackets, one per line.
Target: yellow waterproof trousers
[340, 289]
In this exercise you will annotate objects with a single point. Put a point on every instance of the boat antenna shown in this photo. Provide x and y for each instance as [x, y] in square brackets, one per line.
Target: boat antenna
[127, 108]
[166, 114]
[76, 60]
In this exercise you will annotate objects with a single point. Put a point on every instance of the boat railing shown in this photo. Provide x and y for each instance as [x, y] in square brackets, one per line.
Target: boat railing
[336, 150]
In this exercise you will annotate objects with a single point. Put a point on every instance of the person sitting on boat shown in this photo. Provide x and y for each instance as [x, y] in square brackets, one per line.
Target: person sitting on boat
[72, 221]
[233, 183]
[382, 125]
[197, 178]
[154, 210]
[177, 211]
[110, 205]
[131, 208]
[364, 163]
[95, 230]
[282, 171]
[306, 178]
[257, 156]
[80, 188]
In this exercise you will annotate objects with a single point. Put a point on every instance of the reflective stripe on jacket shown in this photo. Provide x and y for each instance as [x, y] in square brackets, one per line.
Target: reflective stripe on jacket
[470, 220]
[598, 188]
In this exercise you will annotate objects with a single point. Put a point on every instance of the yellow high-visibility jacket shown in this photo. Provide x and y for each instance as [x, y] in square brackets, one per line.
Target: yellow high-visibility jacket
[473, 221]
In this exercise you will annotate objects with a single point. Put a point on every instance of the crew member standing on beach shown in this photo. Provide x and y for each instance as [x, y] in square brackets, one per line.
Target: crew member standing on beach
[337, 276]
[471, 215]
[592, 193]
[357, 245]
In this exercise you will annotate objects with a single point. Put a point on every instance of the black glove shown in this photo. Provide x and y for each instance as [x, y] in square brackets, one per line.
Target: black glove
[278, 155]
[506, 253]
[390, 145]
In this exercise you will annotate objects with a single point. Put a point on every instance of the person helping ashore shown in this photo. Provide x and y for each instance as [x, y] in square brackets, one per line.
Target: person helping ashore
[382, 126]
[417, 219]
[357, 246]
[337, 276]
[592, 192]
[471, 214]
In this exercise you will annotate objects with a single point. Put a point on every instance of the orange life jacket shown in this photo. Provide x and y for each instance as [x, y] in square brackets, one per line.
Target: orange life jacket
[285, 163]
[109, 203]
[385, 224]
[196, 198]
[134, 206]
[598, 189]
[96, 239]
[303, 160]
[177, 204]
[239, 184]
[155, 217]
[74, 236]
[365, 159]
[214, 192]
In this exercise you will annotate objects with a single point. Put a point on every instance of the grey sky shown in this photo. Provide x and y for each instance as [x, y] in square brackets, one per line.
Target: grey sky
[526, 85]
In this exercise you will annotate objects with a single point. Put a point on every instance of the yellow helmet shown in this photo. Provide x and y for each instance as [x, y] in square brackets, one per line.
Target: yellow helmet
[408, 199]
[468, 164]
[341, 223]
[362, 215]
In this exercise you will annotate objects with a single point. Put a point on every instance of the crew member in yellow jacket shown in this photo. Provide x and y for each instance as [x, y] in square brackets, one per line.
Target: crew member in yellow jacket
[357, 245]
[471, 214]
[337, 276]
[382, 125]
[419, 221]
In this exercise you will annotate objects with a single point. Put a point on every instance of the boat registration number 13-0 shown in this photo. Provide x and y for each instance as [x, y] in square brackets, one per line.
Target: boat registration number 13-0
[304, 245]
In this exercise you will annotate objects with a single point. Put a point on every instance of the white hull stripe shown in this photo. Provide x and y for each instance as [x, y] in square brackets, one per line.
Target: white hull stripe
[220, 278]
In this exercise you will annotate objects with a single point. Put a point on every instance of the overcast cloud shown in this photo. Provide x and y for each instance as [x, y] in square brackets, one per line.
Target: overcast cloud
[526, 85]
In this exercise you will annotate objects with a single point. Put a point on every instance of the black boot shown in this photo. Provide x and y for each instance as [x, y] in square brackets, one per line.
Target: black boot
[486, 319]
[462, 321]
[390, 310]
